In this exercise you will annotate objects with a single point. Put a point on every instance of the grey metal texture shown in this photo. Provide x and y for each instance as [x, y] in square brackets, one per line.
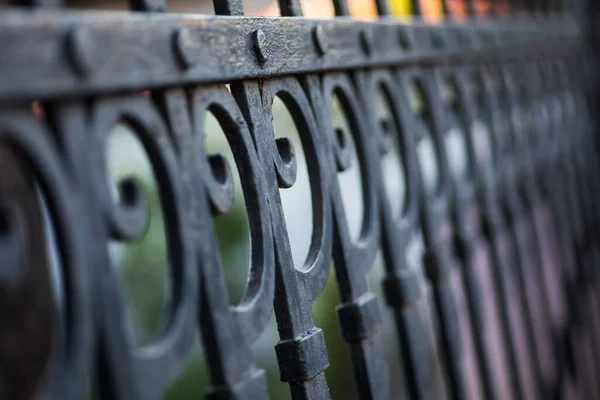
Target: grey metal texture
[494, 117]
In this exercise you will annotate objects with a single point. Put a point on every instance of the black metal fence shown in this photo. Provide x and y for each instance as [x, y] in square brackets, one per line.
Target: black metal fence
[494, 121]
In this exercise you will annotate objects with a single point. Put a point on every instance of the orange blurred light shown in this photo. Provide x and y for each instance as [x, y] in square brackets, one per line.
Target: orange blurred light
[38, 110]
[318, 8]
[481, 7]
[362, 9]
[271, 10]
[432, 10]
[457, 9]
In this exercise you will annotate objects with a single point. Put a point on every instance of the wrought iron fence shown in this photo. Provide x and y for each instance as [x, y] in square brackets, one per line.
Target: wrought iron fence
[493, 117]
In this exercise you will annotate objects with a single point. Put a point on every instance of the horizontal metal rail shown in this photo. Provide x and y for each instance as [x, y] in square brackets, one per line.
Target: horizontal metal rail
[79, 53]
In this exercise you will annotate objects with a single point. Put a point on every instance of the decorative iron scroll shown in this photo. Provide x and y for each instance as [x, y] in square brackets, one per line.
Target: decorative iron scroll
[490, 260]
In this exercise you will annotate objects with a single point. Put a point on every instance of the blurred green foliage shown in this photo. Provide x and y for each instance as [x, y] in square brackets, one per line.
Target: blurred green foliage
[143, 273]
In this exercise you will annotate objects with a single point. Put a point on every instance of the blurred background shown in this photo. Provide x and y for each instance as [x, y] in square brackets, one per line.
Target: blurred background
[430, 9]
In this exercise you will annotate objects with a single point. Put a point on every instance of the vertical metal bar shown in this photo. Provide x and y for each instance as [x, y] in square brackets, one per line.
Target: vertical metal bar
[513, 7]
[301, 351]
[586, 259]
[567, 222]
[438, 256]
[586, 362]
[229, 7]
[446, 9]
[41, 3]
[470, 8]
[358, 314]
[148, 5]
[466, 236]
[533, 206]
[404, 286]
[290, 8]
[341, 8]
[383, 8]
[519, 231]
[563, 222]
[495, 233]
[494, 228]
[492, 7]
[546, 222]
[587, 87]
[416, 8]
[576, 83]
[579, 337]
[226, 336]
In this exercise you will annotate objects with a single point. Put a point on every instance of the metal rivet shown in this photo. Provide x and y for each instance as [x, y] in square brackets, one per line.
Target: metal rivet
[366, 40]
[79, 43]
[182, 42]
[320, 39]
[260, 46]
